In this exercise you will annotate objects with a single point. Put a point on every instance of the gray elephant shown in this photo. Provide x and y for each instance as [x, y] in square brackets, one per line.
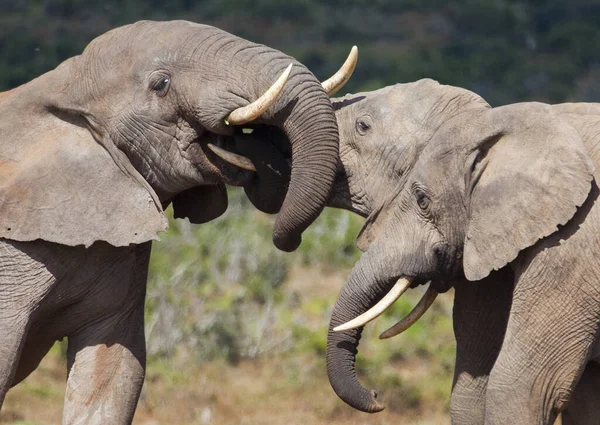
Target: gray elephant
[91, 153]
[499, 203]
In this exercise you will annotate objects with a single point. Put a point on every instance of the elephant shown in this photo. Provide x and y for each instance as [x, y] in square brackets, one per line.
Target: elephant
[501, 205]
[92, 152]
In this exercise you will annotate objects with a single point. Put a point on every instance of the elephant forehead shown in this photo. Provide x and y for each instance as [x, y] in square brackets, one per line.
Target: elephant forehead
[150, 40]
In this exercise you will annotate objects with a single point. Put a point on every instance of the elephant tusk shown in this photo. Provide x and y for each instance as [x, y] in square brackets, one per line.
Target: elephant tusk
[397, 290]
[422, 306]
[255, 109]
[232, 158]
[337, 81]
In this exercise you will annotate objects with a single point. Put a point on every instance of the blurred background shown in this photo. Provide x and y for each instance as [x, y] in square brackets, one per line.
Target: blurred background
[235, 329]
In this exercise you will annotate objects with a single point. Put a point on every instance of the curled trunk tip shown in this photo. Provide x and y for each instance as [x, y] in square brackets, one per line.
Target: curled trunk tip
[342, 374]
[287, 242]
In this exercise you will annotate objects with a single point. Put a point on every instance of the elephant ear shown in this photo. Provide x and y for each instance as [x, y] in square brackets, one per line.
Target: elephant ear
[371, 230]
[201, 204]
[528, 176]
[59, 185]
[368, 233]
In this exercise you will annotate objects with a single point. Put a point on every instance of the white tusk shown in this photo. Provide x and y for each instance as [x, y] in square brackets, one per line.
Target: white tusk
[337, 81]
[254, 110]
[397, 290]
[422, 306]
[232, 158]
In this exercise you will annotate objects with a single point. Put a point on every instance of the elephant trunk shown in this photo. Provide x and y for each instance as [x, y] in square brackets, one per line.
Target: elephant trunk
[303, 111]
[313, 134]
[362, 290]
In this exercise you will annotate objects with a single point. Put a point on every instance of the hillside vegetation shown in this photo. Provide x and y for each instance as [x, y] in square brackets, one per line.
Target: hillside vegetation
[504, 50]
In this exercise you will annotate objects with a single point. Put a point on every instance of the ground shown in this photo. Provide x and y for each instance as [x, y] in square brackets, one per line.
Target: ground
[289, 386]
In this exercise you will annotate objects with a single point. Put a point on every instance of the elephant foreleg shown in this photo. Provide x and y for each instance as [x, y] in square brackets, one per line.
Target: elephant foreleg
[549, 337]
[584, 407]
[107, 359]
[24, 283]
[13, 328]
[480, 315]
[106, 372]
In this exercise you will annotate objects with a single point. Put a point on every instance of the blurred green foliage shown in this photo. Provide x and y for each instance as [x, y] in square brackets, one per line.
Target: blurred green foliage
[216, 289]
[505, 50]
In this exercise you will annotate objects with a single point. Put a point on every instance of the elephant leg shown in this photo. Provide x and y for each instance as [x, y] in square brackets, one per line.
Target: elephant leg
[481, 311]
[24, 284]
[106, 372]
[34, 350]
[584, 407]
[13, 328]
[550, 333]
[107, 360]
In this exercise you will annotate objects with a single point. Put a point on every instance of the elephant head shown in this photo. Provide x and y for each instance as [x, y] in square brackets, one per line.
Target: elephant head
[464, 197]
[92, 150]
[382, 133]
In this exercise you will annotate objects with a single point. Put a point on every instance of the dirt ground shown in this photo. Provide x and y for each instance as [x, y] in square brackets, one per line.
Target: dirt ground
[291, 390]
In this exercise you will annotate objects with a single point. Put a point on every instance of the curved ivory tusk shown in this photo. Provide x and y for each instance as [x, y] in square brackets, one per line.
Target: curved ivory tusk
[337, 81]
[397, 290]
[422, 306]
[232, 158]
[254, 110]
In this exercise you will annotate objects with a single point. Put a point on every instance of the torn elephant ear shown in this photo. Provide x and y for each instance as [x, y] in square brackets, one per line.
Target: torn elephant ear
[201, 204]
[59, 185]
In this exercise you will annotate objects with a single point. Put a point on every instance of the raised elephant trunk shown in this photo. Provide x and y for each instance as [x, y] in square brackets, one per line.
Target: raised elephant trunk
[304, 113]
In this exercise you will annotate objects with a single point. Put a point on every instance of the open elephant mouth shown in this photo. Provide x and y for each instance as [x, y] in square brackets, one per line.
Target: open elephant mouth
[249, 153]
[220, 152]
[265, 153]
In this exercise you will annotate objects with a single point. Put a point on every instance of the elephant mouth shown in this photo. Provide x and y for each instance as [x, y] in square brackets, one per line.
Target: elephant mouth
[241, 158]
[229, 173]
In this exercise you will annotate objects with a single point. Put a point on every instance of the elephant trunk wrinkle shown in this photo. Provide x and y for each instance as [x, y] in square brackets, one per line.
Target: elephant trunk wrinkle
[255, 109]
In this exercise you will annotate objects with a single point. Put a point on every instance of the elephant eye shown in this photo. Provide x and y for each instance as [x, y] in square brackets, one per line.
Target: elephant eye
[362, 126]
[161, 86]
[423, 200]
